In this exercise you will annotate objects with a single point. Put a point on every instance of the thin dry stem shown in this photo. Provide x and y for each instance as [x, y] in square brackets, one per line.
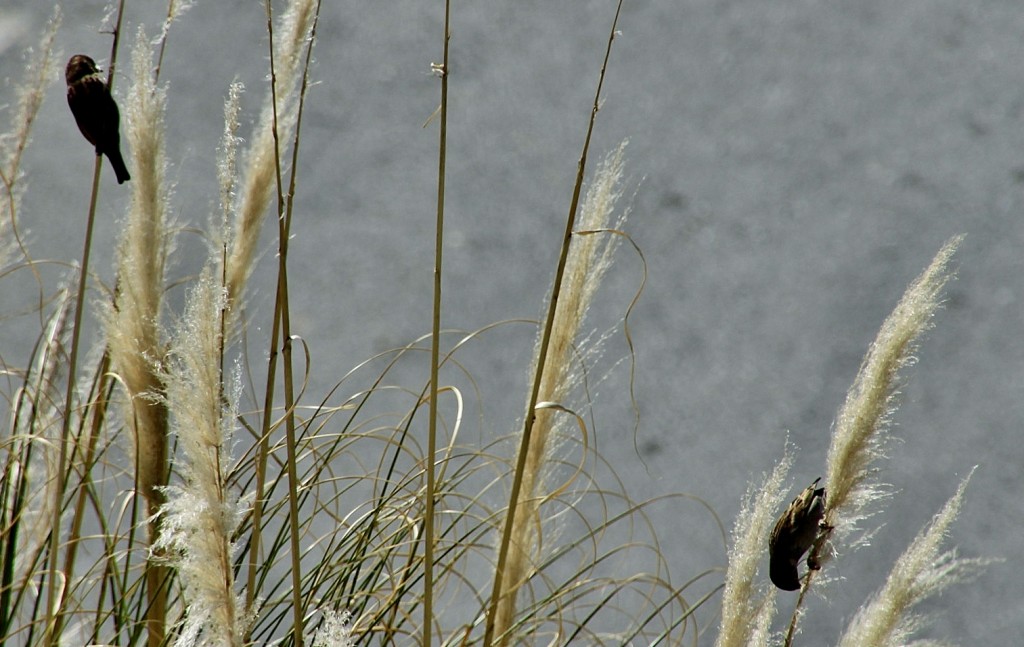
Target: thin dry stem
[435, 346]
[54, 602]
[175, 9]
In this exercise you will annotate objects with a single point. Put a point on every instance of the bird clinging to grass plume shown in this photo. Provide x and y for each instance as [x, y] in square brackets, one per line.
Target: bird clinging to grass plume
[794, 534]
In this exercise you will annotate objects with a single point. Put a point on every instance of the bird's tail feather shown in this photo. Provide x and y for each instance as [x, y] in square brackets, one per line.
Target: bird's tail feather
[120, 170]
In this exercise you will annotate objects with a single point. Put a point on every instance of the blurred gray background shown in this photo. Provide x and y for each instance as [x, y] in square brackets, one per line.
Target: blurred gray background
[792, 166]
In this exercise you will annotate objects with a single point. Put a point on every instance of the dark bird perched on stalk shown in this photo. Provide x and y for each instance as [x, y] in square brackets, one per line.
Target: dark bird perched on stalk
[95, 111]
[794, 534]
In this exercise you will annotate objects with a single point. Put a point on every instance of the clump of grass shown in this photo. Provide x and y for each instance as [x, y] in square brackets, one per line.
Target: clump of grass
[322, 520]
[328, 536]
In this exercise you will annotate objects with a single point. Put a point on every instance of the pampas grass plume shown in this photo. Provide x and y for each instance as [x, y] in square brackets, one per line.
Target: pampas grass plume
[336, 631]
[133, 328]
[227, 162]
[589, 258]
[261, 163]
[747, 608]
[40, 71]
[920, 572]
[202, 514]
[858, 438]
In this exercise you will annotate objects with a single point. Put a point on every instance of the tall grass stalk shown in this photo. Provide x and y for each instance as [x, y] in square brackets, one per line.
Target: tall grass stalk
[299, 24]
[435, 349]
[283, 314]
[134, 334]
[506, 582]
[54, 618]
[586, 265]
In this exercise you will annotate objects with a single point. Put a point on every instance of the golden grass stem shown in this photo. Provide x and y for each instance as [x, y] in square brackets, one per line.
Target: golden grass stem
[98, 408]
[262, 454]
[794, 619]
[499, 589]
[281, 327]
[53, 617]
[435, 341]
[281, 313]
